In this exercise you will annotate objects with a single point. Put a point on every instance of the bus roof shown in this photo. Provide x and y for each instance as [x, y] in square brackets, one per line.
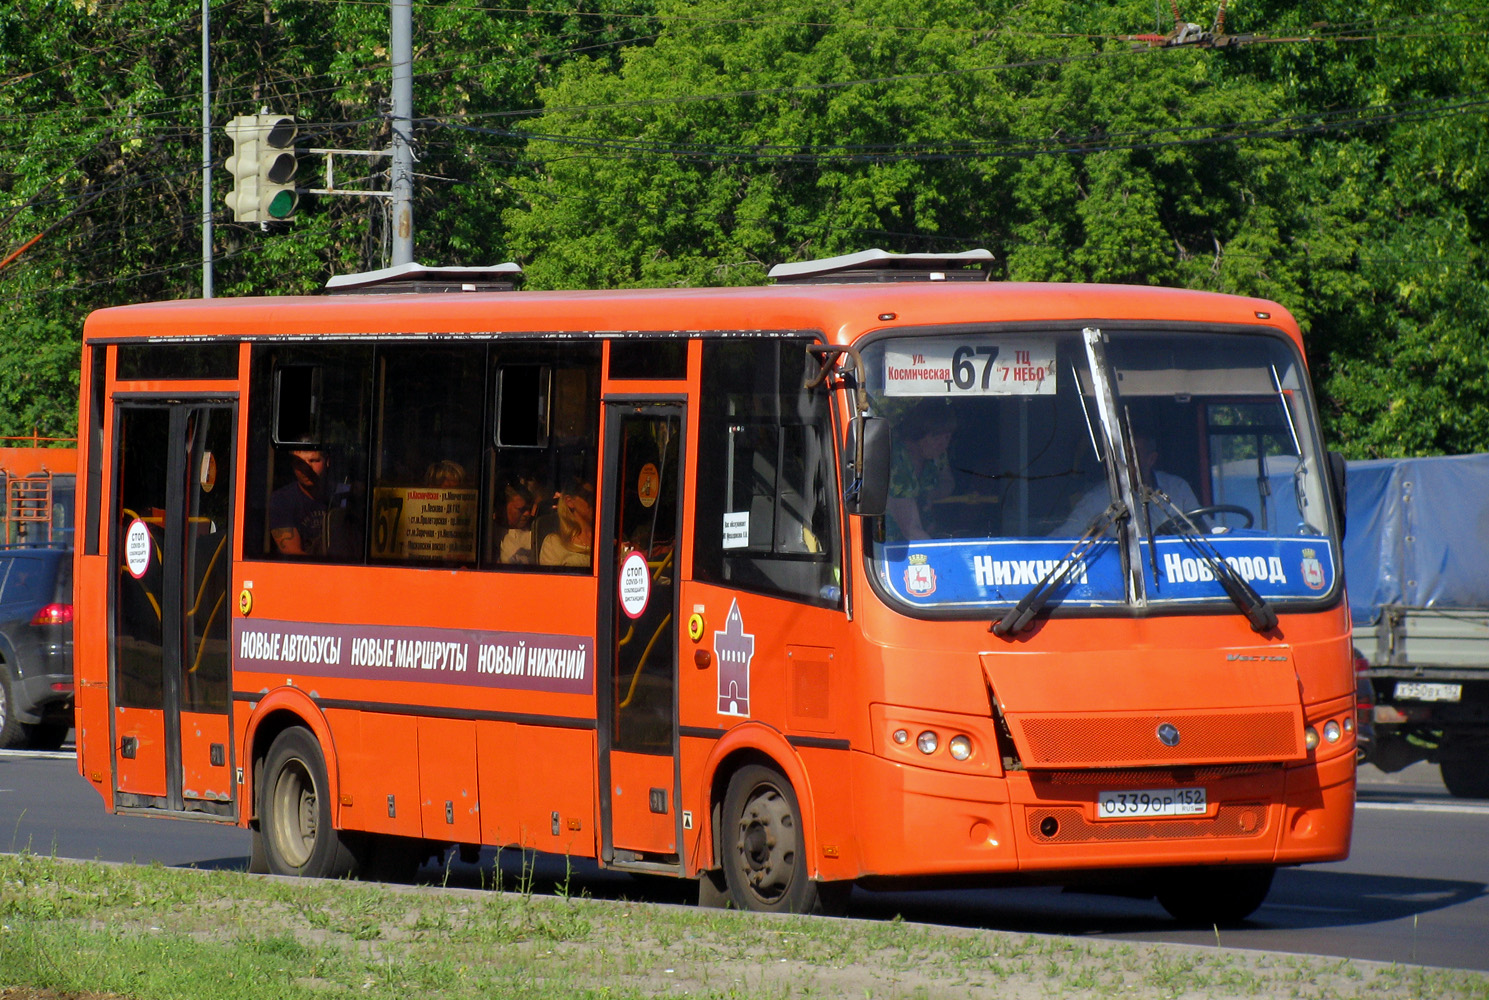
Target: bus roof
[840, 312]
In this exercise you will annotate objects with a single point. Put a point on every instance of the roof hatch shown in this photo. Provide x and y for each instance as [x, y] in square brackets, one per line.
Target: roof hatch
[880, 265]
[418, 278]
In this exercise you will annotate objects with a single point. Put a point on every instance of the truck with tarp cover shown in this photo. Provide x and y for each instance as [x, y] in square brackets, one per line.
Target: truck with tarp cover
[1414, 557]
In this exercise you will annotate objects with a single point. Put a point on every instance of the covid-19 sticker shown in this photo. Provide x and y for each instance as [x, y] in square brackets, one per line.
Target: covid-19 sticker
[137, 548]
[635, 585]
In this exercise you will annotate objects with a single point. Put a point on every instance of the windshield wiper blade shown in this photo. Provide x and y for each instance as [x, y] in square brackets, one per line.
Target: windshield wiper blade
[1255, 607]
[1021, 614]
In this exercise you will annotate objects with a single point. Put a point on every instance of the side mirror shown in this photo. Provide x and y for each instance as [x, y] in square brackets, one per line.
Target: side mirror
[866, 467]
[1340, 482]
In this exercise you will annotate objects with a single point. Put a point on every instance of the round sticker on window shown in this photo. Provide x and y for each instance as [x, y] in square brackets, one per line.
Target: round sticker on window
[208, 477]
[635, 585]
[648, 484]
[137, 548]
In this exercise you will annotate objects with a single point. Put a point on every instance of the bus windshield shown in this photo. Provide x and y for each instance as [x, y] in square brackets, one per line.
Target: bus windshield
[1172, 450]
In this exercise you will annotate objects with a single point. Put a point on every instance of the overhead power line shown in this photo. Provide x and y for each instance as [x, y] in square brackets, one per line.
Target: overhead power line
[225, 95]
[1011, 146]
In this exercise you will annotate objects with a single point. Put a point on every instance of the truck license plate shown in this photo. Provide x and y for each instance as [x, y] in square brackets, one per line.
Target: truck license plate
[1150, 803]
[1427, 691]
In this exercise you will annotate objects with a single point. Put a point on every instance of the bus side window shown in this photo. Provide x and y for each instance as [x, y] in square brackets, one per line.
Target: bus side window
[544, 435]
[427, 453]
[770, 526]
[307, 458]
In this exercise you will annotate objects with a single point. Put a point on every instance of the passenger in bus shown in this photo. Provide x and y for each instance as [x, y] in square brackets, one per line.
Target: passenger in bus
[1096, 499]
[297, 510]
[919, 469]
[519, 507]
[445, 474]
[574, 541]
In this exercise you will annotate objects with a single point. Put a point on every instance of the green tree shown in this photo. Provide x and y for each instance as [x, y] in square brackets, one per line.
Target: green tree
[100, 147]
[733, 143]
[1390, 116]
[1334, 164]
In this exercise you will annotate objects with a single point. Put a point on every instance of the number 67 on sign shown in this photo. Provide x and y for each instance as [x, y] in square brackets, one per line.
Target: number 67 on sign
[971, 366]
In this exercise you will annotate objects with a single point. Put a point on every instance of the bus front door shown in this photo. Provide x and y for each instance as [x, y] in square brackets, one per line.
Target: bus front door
[171, 656]
[640, 823]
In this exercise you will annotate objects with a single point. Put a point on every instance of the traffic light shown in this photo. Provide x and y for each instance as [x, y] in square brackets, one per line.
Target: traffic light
[263, 166]
[243, 199]
[277, 167]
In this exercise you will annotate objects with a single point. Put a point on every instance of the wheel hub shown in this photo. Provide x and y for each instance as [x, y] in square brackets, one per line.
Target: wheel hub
[766, 844]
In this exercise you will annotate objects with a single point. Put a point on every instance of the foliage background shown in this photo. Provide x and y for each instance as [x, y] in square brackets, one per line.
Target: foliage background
[1335, 162]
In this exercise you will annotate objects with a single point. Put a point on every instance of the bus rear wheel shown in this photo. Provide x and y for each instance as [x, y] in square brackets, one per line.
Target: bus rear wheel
[295, 811]
[764, 851]
[1205, 897]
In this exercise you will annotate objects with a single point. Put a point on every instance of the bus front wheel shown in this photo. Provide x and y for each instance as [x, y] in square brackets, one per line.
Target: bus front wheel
[764, 854]
[1203, 897]
[295, 811]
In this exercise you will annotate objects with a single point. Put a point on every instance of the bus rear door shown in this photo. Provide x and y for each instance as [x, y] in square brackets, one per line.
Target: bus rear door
[171, 655]
[638, 634]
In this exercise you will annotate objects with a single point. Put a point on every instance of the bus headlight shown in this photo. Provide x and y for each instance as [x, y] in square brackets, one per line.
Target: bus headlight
[1331, 731]
[928, 742]
[960, 747]
[901, 737]
[1310, 738]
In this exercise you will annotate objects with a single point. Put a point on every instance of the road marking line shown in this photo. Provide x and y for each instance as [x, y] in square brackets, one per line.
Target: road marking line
[1431, 807]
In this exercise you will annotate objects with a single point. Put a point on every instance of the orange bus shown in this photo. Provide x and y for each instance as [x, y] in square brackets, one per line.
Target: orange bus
[36, 481]
[883, 574]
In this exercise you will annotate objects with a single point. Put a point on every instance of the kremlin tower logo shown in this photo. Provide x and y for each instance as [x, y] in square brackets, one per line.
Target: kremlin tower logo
[734, 649]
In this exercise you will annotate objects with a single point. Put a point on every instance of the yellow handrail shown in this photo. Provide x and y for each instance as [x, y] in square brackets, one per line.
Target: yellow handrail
[636, 676]
[201, 647]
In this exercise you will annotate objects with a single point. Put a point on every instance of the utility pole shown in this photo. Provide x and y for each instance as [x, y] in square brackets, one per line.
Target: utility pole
[206, 151]
[400, 45]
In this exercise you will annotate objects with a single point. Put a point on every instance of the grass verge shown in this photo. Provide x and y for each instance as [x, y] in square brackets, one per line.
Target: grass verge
[87, 929]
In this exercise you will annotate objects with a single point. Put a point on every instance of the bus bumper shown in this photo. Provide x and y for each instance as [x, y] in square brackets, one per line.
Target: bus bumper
[928, 822]
[1320, 812]
[922, 821]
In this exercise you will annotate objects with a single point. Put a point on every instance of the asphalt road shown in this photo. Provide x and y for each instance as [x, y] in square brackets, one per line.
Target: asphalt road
[1414, 890]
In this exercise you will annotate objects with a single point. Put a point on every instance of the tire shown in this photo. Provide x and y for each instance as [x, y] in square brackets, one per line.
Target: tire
[713, 891]
[1220, 897]
[764, 855]
[295, 811]
[12, 732]
[1466, 777]
[258, 857]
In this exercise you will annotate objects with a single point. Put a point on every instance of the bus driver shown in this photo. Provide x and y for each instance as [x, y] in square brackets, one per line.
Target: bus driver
[1095, 500]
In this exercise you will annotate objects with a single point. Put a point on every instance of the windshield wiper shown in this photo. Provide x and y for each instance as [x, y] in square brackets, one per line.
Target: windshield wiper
[1021, 614]
[1257, 611]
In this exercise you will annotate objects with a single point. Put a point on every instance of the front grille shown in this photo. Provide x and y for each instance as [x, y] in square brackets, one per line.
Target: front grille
[1152, 777]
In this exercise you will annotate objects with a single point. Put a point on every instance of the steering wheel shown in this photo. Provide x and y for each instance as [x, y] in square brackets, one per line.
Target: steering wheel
[1170, 526]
